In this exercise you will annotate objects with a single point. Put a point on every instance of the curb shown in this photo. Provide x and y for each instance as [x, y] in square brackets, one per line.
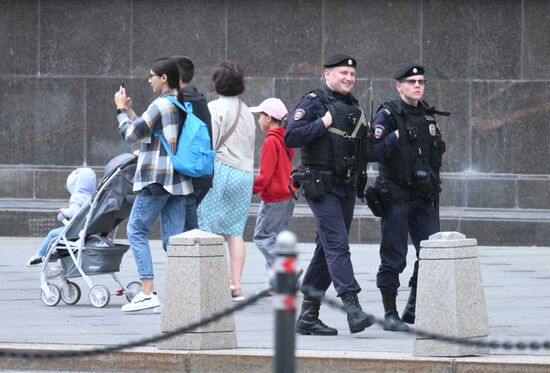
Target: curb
[150, 359]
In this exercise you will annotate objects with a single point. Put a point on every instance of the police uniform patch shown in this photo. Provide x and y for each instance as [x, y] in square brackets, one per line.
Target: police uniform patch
[299, 114]
[433, 130]
[379, 131]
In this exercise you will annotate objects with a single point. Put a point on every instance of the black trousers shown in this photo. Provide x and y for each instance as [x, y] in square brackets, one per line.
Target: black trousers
[416, 217]
[331, 260]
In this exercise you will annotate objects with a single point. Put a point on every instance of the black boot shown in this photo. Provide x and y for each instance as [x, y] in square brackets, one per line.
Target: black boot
[357, 319]
[410, 308]
[392, 322]
[308, 322]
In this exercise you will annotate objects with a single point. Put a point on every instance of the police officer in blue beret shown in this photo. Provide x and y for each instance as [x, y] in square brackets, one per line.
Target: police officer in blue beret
[409, 149]
[330, 129]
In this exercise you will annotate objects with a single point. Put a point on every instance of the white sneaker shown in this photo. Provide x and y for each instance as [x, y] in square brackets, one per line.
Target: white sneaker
[142, 302]
[157, 309]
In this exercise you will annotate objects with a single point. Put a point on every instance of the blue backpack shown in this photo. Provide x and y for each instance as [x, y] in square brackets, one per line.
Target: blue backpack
[194, 155]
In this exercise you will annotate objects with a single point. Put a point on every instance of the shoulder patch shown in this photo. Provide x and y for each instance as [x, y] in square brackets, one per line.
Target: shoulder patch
[432, 129]
[312, 95]
[378, 131]
[299, 114]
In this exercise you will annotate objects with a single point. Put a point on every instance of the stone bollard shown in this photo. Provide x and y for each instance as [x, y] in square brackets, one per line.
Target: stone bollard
[450, 297]
[197, 285]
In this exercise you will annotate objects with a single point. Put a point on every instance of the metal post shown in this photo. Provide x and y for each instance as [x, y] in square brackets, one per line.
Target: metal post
[284, 303]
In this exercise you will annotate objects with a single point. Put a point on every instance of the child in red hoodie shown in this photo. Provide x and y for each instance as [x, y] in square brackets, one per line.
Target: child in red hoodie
[272, 183]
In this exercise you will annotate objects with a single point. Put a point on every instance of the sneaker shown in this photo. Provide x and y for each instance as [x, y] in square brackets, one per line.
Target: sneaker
[157, 309]
[34, 261]
[142, 302]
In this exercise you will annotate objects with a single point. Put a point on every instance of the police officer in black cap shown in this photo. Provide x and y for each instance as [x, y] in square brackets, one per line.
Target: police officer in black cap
[329, 127]
[409, 149]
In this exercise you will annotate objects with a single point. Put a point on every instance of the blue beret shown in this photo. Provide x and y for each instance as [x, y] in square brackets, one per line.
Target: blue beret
[409, 70]
[340, 60]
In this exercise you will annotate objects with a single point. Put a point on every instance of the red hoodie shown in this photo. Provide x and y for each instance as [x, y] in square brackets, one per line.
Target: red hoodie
[275, 167]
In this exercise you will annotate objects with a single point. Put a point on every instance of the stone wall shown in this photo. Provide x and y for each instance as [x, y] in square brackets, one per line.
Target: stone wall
[488, 62]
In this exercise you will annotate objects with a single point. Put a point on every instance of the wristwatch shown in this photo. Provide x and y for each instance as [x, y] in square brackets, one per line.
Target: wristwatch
[119, 111]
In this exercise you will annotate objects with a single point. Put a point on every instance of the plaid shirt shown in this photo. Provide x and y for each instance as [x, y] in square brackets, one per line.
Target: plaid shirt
[154, 165]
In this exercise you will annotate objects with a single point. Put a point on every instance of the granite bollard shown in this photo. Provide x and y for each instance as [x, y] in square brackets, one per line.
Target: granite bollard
[450, 297]
[197, 285]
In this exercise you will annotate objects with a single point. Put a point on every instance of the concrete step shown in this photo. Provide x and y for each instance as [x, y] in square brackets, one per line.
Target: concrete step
[145, 359]
[490, 226]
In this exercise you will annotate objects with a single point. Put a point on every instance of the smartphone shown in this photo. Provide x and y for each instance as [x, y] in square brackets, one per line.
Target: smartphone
[122, 83]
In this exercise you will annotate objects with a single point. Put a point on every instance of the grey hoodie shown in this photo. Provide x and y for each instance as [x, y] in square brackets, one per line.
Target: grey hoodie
[81, 183]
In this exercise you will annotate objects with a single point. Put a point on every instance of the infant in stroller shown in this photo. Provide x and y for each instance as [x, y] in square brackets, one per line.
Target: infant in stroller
[81, 184]
[84, 247]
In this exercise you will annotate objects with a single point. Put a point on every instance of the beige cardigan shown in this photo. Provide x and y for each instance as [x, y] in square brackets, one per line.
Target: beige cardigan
[238, 150]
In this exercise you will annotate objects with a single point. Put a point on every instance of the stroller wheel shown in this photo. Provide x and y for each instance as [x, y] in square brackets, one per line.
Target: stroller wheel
[99, 296]
[72, 296]
[54, 298]
[132, 289]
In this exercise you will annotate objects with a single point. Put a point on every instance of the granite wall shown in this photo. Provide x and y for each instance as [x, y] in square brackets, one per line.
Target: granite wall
[487, 61]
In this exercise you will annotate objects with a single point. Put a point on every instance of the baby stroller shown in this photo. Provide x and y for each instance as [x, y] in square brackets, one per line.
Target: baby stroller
[84, 249]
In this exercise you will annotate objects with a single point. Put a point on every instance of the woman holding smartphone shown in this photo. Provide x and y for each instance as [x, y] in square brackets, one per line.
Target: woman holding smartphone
[160, 189]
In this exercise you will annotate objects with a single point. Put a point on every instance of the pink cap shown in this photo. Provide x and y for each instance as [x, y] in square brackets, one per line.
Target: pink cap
[273, 107]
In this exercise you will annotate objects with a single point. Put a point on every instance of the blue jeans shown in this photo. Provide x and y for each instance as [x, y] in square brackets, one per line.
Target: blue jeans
[191, 218]
[52, 235]
[145, 211]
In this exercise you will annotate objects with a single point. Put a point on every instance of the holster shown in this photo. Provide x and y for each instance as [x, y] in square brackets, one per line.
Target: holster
[379, 199]
[314, 182]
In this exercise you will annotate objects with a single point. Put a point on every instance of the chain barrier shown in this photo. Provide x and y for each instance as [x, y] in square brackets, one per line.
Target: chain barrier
[507, 345]
[157, 338]
[334, 303]
[284, 302]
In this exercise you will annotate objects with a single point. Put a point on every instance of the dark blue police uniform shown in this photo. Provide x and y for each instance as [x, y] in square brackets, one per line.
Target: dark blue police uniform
[409, 174]
[329, 159]
[409, 214]
[333, 214]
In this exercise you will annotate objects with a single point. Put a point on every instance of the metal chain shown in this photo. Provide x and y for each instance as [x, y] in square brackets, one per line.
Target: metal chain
[105, 350]
[520, 345]
[507, 345]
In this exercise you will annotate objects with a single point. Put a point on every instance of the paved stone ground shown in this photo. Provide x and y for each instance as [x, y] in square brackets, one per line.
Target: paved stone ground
[516, 281]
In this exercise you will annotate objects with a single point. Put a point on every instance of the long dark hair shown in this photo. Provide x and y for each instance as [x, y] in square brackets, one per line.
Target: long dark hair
[168, 67]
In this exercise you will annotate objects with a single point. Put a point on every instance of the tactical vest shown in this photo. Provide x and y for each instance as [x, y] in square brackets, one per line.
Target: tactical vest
[336, 150]
[419, 137]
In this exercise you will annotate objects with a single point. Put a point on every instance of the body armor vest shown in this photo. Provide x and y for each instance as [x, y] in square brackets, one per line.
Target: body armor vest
[332, 151]
[419, 141]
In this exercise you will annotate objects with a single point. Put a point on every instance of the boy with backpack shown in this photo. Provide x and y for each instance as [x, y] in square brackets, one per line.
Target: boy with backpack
[277, 204]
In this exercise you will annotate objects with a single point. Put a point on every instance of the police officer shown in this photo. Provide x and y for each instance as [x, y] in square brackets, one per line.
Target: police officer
[329, 127]
[408, 148]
